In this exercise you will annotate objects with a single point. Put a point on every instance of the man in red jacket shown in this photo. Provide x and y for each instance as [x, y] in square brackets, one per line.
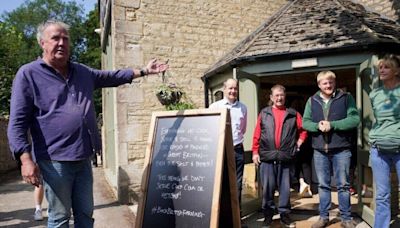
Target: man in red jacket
[277, 138]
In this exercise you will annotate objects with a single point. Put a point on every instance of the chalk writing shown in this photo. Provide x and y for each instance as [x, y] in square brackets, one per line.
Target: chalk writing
[177, 212]
[182, 171]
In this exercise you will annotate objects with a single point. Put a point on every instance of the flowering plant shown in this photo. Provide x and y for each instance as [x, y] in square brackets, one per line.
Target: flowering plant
[170, 96]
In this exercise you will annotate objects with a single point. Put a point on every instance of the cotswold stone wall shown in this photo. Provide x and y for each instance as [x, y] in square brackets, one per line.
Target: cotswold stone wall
[193, 35]
[6, 161]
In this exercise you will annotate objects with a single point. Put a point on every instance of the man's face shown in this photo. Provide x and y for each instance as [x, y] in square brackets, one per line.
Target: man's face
[55, 44]
[231, 90]
[327, 86]
[278, 98]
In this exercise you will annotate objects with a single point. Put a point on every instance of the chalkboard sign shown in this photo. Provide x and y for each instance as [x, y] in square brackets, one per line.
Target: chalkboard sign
[189, 178]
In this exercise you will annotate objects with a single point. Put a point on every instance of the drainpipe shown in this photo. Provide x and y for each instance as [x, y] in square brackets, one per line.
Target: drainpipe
[206, 100]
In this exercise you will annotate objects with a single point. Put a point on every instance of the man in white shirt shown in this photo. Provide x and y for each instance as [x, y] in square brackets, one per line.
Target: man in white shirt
[238, 113]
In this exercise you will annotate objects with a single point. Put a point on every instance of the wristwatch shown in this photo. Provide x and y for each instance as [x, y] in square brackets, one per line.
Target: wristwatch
[143, 72]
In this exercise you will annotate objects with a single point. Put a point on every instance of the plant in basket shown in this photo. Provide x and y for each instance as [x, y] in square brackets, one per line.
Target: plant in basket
[170, 96]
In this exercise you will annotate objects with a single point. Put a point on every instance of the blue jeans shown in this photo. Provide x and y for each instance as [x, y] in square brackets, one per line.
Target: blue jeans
[340, 163]
[381, 164]
[275, 175]
[239, 161]
[68, 184]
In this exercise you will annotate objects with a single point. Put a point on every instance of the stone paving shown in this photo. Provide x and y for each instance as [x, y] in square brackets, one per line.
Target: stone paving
[305, 213]
[17, 205]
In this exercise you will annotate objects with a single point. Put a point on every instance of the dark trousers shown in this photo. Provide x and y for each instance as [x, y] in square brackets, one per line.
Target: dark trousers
[275, 176]
[239, 160]
[303, 166]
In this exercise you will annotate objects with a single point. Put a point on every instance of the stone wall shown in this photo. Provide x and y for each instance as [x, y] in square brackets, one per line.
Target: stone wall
[193, 35]
[6, 161]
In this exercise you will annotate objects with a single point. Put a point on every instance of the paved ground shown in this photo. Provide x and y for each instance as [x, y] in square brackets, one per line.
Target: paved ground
[17, 207]
[305, 213]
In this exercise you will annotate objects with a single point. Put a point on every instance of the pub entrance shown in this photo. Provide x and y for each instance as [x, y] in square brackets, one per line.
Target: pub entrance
[299, 87]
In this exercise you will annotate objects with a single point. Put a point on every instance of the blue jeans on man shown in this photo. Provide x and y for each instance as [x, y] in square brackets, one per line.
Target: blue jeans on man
[381, 165]
[339, 162]
[275, 176]
[68, 184]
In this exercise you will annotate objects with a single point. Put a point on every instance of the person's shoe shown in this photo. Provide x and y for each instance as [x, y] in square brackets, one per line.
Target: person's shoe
[267, 222]
[321, 223]
[286, 221]
[352, 191]
[303, 189]
[366, 193]
[38, 216]
[347, 224]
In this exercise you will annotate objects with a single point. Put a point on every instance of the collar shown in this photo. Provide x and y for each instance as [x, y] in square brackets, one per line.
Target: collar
[44, 64]
[331, 97]
[226, 102]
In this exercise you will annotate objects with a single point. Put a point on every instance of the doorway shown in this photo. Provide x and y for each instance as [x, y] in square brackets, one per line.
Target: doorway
[299, 87]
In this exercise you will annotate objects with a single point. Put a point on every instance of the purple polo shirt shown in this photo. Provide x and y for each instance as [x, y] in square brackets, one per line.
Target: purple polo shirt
[59, 113]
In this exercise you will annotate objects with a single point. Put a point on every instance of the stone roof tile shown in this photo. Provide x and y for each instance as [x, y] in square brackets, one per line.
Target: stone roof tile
[304, 25]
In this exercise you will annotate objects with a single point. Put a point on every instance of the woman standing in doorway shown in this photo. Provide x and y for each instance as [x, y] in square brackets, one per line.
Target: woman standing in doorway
[384, 136]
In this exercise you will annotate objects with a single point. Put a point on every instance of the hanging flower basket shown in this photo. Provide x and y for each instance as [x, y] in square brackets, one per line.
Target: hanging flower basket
[169, 94]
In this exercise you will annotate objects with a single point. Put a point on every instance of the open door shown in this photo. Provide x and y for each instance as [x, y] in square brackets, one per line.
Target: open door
[367, 80]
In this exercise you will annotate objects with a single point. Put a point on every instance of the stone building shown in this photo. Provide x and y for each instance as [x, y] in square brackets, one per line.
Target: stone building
[193, 35]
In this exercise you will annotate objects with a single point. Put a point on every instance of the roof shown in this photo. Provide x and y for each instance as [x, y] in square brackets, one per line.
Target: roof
[308, 26]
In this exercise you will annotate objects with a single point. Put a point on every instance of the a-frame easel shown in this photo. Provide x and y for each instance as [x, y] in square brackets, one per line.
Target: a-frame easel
[221, 201]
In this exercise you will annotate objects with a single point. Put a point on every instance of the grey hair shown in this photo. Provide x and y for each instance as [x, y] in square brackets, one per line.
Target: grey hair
[230, 79]
[46, 24]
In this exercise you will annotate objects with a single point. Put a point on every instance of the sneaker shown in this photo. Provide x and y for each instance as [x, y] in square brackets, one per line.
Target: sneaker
[38, 216]
[366, 194]
[320, 223]
[304, 188]
[348, 224]
[286, 221]
[267, 222]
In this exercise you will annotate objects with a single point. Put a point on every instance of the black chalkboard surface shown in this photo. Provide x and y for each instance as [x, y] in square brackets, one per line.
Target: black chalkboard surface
[189, 172]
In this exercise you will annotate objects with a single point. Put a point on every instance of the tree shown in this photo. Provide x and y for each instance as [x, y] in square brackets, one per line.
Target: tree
[30, 14]
[91, 53]
[12, 42]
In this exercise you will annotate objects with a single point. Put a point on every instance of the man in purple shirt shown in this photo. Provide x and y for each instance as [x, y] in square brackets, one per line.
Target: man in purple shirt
[52, 98]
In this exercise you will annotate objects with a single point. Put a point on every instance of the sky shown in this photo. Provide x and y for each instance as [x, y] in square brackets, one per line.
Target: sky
[9, 5]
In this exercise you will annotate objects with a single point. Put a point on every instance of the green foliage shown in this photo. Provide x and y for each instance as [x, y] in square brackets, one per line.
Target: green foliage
[12, 43]
[180, 106]
[169, 94]
[30, 14]
[91, 54]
